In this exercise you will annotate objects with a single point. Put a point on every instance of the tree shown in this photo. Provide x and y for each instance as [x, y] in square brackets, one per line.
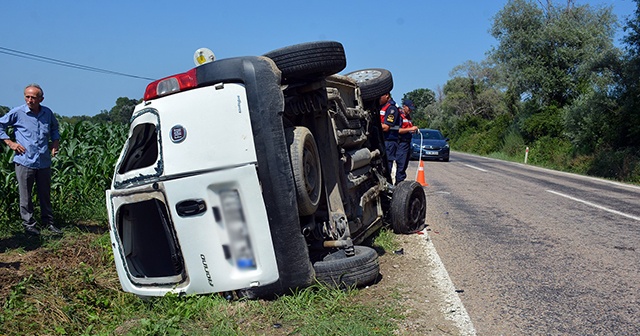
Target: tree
[120, 113]
[474, 90]
[4, 110]
[558, 59]
[628, 129]
[421, 98]
[551, 54]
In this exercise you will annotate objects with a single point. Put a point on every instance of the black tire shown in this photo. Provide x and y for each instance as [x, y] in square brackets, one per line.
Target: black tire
[309, 60]
[307, 171]
[408, 207]
[446, 159]
[373, 82]
[339, 271]
[264, 95]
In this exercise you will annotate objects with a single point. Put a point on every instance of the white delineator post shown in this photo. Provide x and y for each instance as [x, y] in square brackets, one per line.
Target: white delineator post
[526, 155]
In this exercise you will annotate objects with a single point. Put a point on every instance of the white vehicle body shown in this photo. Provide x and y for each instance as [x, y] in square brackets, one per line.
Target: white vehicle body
[192, 169]
[254, 175]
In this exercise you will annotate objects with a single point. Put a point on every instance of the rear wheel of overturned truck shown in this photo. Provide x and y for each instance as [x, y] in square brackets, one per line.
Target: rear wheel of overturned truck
[341, 271]
[311, 60]
[408, 207]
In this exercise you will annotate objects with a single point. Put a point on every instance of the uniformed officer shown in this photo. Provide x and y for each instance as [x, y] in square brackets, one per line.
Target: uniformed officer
[391, 122]
[403, 152]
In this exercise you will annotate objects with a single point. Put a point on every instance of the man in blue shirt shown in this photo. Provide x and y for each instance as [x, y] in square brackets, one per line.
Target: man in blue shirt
[34, 127]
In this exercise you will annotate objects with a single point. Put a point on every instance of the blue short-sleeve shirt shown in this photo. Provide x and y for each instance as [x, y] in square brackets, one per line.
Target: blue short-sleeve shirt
[33, 131]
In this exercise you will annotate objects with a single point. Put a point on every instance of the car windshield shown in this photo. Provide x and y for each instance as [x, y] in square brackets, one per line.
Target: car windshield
[429, 134]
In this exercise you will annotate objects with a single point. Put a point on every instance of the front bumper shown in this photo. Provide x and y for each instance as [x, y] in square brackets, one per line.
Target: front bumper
[429, 154]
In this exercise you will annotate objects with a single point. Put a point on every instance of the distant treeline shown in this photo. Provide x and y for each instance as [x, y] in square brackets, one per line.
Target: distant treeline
[556, 82]
[119, 114]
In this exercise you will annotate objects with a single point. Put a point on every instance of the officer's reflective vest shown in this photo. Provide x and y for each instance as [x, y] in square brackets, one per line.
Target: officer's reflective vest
[406, 123]
[383, 111]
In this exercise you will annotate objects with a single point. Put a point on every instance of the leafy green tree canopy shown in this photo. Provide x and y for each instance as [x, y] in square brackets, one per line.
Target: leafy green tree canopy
[121, 112]
[550, 54]
[421, 98]
[629, 120]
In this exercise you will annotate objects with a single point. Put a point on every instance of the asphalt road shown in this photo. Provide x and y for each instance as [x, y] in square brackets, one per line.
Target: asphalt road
[536, 252]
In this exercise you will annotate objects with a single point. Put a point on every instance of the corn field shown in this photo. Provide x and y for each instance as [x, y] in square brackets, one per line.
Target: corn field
[81, 172]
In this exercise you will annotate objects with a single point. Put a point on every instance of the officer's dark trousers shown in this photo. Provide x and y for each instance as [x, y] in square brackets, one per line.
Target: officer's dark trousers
[392, 151]
[403, 152]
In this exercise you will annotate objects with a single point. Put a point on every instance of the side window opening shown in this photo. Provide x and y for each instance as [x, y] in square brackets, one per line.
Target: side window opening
[142, 148]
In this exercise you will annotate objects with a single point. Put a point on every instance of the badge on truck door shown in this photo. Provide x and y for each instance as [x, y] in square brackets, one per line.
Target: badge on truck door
[178, 133]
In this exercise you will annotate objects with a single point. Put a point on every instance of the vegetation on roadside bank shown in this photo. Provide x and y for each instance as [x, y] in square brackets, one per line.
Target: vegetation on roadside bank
[557, 83]
[69, 287]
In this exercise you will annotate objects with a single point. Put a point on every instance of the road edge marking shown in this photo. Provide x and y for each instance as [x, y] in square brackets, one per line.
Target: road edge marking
[534, 167]
[454, 309]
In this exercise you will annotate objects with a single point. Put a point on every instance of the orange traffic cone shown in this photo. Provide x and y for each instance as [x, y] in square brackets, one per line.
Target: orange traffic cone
[420, 177]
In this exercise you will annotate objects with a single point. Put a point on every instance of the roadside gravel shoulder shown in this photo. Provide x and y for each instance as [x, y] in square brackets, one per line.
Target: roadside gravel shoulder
[416, 278]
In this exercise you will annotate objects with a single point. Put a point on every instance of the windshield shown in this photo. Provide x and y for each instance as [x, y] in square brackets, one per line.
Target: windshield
[429, 134]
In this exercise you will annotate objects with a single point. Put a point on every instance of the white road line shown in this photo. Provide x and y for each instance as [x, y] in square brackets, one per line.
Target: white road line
[454, 309]
[529, 166]
[480, 169]
[595, 205]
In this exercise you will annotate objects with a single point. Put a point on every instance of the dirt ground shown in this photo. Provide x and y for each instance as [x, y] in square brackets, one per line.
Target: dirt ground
[407, 275]
[26, 257]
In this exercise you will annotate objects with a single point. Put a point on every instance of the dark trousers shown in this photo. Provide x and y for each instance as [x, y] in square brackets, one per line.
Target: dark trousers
[391, 148]
[42, 178]
[403, 153]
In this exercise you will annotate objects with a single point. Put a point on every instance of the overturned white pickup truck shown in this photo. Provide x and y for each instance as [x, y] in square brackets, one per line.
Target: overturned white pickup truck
[256, 175]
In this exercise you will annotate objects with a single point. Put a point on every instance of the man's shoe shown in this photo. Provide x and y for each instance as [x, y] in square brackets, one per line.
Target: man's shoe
[54, 229]
[32, 231]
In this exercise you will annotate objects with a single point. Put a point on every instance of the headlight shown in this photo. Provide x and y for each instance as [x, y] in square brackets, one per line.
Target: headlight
[446, 146]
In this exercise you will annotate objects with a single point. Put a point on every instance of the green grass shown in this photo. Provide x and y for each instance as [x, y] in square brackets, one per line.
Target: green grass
[70, 288]
[386, 240]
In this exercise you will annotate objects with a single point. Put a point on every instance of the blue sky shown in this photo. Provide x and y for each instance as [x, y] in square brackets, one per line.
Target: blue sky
[419, 41]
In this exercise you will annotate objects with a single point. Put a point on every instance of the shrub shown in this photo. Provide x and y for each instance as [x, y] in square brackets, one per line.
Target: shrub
[622, 165]
[513, 144]
[550, 152]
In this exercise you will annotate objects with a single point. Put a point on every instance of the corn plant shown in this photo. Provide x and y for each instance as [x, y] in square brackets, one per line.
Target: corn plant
[81, 173]
[83, 169]
[8, 188]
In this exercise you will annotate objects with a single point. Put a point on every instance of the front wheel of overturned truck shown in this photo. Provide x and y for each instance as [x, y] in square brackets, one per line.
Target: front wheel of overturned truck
[408, 207]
